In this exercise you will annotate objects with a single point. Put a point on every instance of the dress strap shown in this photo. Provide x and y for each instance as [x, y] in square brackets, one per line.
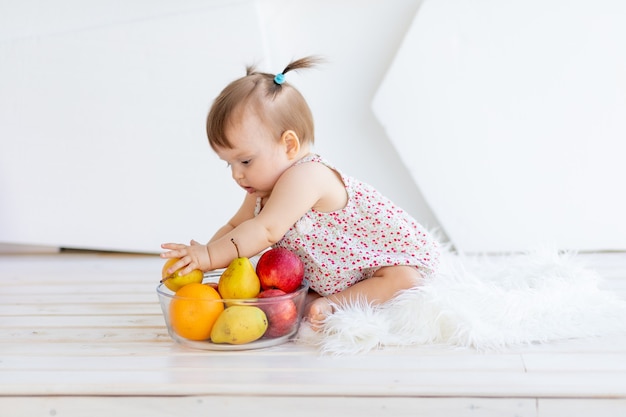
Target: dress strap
[312, 157]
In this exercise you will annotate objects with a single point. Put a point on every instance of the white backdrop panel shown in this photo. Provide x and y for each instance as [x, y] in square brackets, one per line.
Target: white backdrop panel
[510, 117]
[102, 110]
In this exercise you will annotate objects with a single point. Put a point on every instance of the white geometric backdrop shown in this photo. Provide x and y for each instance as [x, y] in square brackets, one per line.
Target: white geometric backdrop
[511, 117]
[103, 105]
[102, 120]
[507, 117]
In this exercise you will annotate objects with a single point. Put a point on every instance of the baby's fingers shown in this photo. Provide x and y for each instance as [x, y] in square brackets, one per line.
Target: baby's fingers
[188, 269]
[186, 264]
[172, 247]
[176, 250]
[183, 264]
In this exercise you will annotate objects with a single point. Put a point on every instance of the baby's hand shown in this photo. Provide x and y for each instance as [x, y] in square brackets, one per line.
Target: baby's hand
[192, 256]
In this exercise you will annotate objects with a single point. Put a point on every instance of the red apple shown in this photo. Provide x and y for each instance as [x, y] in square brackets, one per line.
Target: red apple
[281, 314]
[280, 268]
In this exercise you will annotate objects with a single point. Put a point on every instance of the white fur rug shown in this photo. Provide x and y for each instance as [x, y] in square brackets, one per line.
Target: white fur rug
[483, 303]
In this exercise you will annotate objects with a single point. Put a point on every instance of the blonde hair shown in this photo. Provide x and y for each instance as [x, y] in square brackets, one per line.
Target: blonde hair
[278, 103]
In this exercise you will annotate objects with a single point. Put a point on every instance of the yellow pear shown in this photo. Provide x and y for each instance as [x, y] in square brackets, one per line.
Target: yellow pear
[176, 281]
[238, 325]
[239, 280]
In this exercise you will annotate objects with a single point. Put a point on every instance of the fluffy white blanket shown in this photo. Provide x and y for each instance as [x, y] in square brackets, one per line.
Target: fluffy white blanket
[487, 303]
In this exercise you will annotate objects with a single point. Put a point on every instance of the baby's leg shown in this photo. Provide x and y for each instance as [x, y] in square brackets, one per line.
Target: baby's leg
[381, 287]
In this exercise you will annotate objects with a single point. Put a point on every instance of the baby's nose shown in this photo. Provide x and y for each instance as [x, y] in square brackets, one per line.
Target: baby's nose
[237, 174]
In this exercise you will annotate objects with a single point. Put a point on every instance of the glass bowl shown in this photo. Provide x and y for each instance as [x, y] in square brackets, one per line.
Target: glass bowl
[279, 311]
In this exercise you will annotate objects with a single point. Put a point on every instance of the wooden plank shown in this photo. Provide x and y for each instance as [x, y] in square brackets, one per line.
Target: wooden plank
[258, 362]
[609, 344]
[64, 309]
[85, 320]
[92, 348]
[74, 289]
[280, 406]
[605, 361]
[134, 343]
[148, 296]
[87, 335]
[581, 408]
[315, 382]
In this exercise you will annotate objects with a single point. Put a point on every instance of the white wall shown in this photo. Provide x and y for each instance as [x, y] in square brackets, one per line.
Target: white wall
[102, 108]
[511, 118]
[503, 121]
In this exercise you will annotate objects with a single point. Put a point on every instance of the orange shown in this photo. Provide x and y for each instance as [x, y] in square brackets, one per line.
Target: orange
[193, 311]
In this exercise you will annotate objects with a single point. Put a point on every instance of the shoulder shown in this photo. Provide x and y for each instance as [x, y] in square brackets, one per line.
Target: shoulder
[321, 183]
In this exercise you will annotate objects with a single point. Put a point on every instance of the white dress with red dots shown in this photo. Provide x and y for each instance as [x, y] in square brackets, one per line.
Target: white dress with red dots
[344, 247]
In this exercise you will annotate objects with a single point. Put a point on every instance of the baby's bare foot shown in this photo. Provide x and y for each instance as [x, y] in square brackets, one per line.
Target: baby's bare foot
[319, 310]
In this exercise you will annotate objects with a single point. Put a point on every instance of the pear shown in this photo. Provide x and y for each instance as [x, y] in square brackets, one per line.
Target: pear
[176, 281]
[237, 325]
[239, 280]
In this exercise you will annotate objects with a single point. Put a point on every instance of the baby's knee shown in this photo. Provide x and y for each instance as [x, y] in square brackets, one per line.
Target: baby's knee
[404, 277]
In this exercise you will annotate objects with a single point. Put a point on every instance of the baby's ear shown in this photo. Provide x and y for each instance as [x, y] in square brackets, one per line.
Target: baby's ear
[291, 142]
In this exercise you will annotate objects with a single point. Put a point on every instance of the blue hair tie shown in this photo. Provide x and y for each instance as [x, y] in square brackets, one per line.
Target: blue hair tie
[279, 78]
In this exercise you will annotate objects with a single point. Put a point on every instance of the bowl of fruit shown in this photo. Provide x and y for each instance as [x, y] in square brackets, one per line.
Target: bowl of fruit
[251, 304]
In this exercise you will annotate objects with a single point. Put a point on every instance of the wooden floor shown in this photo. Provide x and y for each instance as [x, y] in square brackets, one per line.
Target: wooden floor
[82, 334]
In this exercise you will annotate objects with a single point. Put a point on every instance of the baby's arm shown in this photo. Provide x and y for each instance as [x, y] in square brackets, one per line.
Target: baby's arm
[197, 253]
[298, 190]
